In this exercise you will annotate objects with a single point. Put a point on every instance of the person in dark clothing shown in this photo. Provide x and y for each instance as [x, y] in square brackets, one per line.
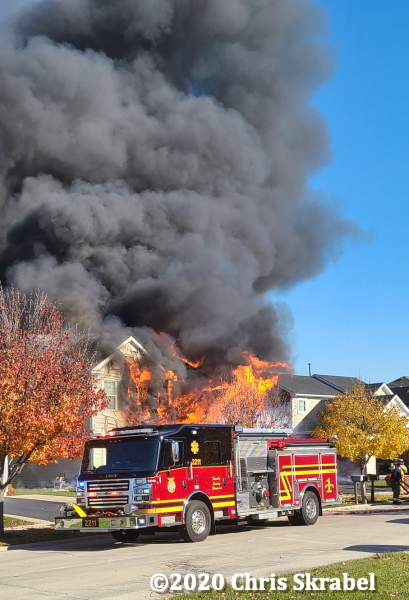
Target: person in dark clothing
[396, 478]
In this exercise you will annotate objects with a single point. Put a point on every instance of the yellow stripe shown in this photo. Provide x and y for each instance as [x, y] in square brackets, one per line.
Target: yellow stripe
[168, 501]
[159, 511]
[222, 504]
[226, 496]
[309, 472]
[305, 466]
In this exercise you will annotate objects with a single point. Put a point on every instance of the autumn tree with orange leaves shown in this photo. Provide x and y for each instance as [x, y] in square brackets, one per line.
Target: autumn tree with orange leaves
[47, 391]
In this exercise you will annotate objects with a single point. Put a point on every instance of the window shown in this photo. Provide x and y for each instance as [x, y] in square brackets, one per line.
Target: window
[110, 390]
[302, 405]
[212, 453]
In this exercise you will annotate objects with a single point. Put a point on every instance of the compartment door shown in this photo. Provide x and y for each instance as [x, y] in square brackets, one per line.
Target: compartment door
[286, 478]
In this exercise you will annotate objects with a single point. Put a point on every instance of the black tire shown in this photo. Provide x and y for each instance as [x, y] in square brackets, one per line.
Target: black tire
[310, 509]
[198, 522]
[294, 519]
[125, 535]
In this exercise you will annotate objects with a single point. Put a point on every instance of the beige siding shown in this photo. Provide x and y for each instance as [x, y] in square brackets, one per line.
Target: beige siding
[305, 422]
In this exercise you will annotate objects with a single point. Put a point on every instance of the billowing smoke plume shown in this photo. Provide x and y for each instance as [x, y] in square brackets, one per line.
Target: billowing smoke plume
[153, 166]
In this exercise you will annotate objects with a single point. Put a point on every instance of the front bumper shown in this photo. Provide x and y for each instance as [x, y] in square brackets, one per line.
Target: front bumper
[103, 524]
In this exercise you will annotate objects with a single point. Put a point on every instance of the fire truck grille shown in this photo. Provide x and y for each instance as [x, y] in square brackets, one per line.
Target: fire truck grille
[108, 494]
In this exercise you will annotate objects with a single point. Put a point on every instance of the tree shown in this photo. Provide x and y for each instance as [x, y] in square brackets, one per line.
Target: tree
[364, 427]
[47, 391]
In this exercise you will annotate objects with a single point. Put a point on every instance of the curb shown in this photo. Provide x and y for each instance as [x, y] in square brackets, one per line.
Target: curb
[375, 511]
[53, 543]
[34, 522]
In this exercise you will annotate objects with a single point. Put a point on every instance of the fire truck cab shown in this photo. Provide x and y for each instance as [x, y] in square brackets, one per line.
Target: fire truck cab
[192, 477]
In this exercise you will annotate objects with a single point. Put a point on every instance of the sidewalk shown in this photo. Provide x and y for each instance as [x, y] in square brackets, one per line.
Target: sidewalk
[364, 509]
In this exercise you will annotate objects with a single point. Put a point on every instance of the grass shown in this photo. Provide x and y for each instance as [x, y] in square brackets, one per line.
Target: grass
[391, 577]
[44, 492]
[14, 522]
[32, 536]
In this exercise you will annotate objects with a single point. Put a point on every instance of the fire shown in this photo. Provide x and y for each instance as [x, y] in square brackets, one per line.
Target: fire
[196, 365]
[246, 394]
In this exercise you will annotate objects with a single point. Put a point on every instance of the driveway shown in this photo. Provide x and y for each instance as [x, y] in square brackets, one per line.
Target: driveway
[100, 569]
[35, 507]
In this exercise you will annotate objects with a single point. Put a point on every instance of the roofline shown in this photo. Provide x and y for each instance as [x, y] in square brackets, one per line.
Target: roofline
[296, 394]
[131, 339]
[402, 405]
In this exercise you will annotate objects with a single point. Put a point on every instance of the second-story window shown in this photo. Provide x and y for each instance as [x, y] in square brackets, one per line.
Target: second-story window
[302, 405]
[110, 390]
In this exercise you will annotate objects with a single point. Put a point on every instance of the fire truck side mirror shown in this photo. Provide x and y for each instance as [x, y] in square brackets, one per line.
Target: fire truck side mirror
[175, 453]
[171, 455]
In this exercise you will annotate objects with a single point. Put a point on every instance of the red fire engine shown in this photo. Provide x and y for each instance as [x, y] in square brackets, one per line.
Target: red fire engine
[192, 477]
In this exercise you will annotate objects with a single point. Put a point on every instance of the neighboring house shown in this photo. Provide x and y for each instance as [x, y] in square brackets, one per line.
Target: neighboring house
[307, 397]
[110, 375]
[400, 387]
[309, 394]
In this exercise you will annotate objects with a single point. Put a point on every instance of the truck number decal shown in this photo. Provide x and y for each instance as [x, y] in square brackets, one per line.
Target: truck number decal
[196, 462]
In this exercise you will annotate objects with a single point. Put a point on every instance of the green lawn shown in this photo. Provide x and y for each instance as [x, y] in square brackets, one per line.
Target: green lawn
[391, 576]
[13, 522]
[44, 492]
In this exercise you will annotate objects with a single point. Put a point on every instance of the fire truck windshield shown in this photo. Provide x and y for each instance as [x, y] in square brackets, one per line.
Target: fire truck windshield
[121, 456]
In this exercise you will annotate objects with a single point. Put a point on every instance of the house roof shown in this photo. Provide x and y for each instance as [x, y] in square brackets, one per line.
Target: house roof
[338, 382]
[401, 382]
[305, 386]
[402, 392]
[376, 387]
[129, 341]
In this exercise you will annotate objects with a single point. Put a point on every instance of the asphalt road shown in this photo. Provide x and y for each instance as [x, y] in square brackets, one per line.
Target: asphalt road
[101, 569]
[45, 509]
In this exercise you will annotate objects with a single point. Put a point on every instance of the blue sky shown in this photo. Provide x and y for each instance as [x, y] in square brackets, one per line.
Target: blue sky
[353, 319]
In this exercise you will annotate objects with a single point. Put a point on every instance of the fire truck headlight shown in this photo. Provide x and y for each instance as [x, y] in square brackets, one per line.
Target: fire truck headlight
[141, 521]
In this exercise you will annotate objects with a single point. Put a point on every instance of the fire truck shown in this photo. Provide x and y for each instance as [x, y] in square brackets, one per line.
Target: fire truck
[193, 477]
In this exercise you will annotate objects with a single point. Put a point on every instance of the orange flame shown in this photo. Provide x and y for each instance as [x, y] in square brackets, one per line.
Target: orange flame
[176, 352]
[243, 394]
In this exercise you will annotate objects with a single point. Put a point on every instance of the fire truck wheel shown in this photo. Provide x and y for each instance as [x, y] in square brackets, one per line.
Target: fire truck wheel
[125, 535]
[198, 522]
[310, 509]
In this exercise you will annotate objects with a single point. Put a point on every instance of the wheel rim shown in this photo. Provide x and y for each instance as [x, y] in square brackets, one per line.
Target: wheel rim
[198, 522]
[310, 508]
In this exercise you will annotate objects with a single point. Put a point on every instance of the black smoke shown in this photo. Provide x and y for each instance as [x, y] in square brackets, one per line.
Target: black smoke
[154, 157]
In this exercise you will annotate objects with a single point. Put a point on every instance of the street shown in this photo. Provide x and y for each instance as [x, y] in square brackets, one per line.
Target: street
[101, 569]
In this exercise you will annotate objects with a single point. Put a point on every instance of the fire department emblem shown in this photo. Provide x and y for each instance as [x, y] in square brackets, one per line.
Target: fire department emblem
[194, 446]
[329, 486]
[171, 485]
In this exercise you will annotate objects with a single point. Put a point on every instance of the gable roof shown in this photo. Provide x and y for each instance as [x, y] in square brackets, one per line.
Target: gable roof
[402, 392]
[338, 382]
[303, 385]
[380, 388]
[131, 341]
